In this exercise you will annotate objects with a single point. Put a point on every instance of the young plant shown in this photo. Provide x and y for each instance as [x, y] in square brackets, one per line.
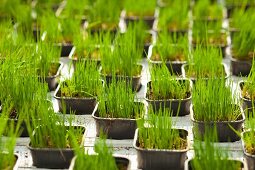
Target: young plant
[160, 134]
[208, 34]
[242, 42]
[140, 8]
[124, 57]
[105, 14]
[118, 101]
[249, 136]
[204, 9]
[170, 48]
[87, 47]
[76, 10]
[200, 63]
[7, 146]
[177, 19]
[218, 104]
[210, 156]
[248, 89]
[46, 59]
[165, 86]
[84, 83]
[103, 158]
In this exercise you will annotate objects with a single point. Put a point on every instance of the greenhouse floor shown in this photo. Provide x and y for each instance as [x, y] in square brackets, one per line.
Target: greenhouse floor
[121, 147]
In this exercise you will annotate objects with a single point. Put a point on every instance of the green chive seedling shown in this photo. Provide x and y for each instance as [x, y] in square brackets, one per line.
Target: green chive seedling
[200, 63]
[164, 86]
[177, 19]
[140, 8]
[170, 48]
[218, 103]
[210, 156]
[84, 83]
[117, 100]
[160, 134]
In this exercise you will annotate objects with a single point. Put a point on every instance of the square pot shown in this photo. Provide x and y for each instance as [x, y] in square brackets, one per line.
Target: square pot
[173, 66]
[240, 67]
[135, 80]
[80, 106]
[160, 158]
[115, 128]
[173, 104]
[59, 158]
[224, 132]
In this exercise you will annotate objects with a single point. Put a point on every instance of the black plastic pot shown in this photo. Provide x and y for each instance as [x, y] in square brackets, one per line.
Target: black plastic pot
[80, 106]
[150, 159]
[243, 164]
[173, 66]
[175, 105]
[115, 128]
[52, 81]
[121, 162]
[240, 67]
[247, 103]
[52, 158]
[135, 80]
[224, 129]
[249, 157]
[194, 79]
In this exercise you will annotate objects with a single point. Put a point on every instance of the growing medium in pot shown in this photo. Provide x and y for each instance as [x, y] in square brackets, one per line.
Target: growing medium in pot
[78, 94]
[166, 91]
[159, 145]
[218, 109]
[117, 111]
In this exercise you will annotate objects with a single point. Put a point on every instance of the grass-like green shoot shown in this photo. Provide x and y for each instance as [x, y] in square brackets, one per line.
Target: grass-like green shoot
[117, 100]
[177, 19]
[218, 103]
[200, 63]
[165, 86]
[140, 8]
[210, 156]
[160, 134]
[85, 81]
[170, 48]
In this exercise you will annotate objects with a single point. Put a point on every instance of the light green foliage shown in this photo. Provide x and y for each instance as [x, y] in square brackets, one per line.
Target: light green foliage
[210, 156]
[140, 8]
[103, 160]
[160, 134]
[175, 19]
[118, 101]
[217, 105]
[165, 86]
[85, 81]
[200, 63]
[170, 48]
